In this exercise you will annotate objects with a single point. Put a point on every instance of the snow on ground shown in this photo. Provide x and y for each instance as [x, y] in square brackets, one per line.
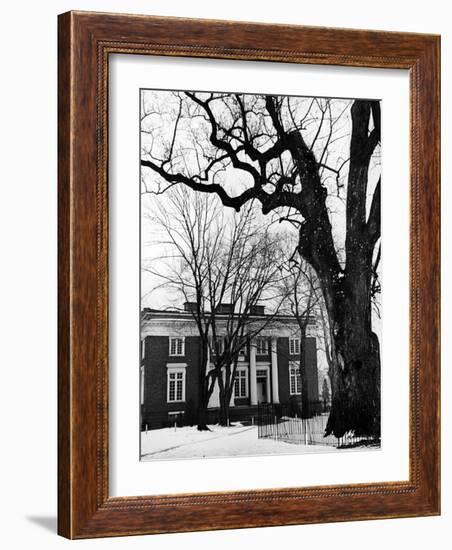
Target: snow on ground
[237, 440]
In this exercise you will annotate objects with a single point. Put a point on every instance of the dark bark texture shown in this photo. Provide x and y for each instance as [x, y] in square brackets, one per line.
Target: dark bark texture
[347, 291]
[346, 286]
[356, 382]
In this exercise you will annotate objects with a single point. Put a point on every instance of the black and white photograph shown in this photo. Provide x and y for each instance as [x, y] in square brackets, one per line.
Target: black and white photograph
[234, 334]
[260, 274]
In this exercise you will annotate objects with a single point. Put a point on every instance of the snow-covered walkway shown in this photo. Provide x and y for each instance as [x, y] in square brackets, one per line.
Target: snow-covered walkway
[238, 440]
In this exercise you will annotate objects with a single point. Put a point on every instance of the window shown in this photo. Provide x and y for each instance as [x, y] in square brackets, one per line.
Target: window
[295, 378]
[176, 385]
[175, 417]
[242, 351]
[217, 344]
[262, 346]
[294, 346]
[241, 383]
[176, 346]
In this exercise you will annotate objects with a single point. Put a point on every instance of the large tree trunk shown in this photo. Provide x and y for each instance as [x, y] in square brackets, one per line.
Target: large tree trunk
[222, 378]
[305, 405]
[355, 377]
[226, 387]
[347, 291]
[202, 416]
[202, 408]
[204, 388]
[225, 400]
[224, 410]
[356, 380]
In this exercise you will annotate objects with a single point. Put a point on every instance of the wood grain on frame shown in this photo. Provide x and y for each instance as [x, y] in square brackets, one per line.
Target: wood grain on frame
[85, 42]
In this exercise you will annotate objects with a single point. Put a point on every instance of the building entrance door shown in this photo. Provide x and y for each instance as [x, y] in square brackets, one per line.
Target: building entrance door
[262, 389]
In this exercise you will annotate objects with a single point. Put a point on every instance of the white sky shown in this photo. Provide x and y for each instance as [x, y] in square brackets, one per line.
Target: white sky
[157, 128]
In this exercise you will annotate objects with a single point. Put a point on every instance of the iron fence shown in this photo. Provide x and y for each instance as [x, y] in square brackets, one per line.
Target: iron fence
[277, 422]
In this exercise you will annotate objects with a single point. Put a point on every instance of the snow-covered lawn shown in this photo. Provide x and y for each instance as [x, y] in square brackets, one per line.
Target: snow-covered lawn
[238, 440]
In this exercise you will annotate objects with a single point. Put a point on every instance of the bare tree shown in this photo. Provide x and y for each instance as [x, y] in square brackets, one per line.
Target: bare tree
[325, 394]
[302, 301]
[252, 276]
[190, 232]
[284, 153]
[222, 269]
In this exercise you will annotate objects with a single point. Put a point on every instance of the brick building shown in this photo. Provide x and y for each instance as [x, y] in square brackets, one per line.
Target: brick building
[268, 368]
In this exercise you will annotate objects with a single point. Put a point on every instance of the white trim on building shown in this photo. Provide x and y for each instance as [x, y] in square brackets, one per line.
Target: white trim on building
[294, 346]
[241, 383]
[261, 345]
[294, 378]
[175, 382]
[176, 346]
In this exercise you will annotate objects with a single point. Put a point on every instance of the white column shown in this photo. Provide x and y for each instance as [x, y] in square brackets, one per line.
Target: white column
[214, 400]
[275, 385]
[253, 380]
[267, 386]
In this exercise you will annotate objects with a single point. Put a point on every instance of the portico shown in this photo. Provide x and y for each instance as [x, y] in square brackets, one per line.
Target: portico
[264, 385]
[267, 369]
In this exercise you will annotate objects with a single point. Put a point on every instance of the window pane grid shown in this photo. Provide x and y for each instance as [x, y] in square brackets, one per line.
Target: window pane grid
[172, 390]
[179, 390]
[240, 384]
[176, 383]
[262, 346]
[176, 346]
[294, 346]
[295, 381]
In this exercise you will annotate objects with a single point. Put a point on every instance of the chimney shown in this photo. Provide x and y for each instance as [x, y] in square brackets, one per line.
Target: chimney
[225, 308]
[257, 310]
[190, 306]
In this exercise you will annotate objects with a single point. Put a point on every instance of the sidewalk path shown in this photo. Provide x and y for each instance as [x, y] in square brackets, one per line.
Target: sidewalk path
[188, 442]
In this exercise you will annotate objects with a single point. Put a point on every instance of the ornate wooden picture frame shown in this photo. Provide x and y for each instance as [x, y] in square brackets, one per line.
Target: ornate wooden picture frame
[86, 40]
